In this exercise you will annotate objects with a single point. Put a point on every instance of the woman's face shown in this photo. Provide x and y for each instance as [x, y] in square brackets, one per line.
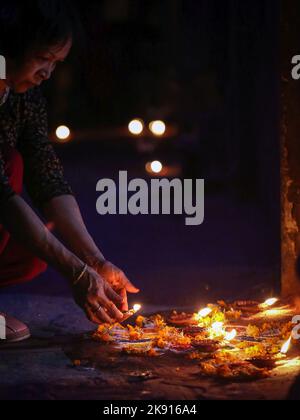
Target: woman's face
[36, 68]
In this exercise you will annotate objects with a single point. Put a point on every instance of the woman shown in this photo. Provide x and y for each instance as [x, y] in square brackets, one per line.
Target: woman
[34, 37]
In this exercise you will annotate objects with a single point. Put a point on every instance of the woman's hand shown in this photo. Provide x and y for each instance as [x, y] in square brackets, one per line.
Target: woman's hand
[117, 279]
[97, 298]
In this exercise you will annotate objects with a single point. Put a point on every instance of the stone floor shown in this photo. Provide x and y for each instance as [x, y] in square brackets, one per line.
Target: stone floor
[42, 367]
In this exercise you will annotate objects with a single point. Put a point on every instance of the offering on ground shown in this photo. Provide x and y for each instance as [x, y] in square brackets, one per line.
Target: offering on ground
[243, 340]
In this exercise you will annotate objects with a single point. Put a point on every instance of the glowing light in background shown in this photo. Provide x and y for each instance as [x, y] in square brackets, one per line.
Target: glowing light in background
[158, 128]
[281, 312]
[63, 133]
[136, 127]
[156, 167]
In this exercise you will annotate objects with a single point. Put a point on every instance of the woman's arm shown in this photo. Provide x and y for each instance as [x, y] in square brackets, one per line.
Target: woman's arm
[64, 213]
[26, 227]
[50, 192]
[93, 293]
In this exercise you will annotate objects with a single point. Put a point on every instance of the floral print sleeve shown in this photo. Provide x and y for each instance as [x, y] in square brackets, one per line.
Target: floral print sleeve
[43, 172]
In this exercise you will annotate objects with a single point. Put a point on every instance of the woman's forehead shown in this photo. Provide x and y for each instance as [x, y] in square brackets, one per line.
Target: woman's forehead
[59, 51]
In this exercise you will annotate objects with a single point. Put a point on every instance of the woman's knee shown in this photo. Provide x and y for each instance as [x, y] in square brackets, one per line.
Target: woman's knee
[34, 268]
[14, 168]
[23, 273]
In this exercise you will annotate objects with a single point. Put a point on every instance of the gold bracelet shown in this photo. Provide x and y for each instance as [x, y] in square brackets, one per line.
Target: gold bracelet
[85, 268]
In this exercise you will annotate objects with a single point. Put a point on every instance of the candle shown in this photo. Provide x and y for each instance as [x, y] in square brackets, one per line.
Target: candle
[136, 308]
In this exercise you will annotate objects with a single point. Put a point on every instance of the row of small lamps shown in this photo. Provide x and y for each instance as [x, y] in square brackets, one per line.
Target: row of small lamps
[136, 127]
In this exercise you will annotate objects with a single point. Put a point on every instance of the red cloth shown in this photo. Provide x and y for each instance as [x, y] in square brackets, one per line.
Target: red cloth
[17, 265]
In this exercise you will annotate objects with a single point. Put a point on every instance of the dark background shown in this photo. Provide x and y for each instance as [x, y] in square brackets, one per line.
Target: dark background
[210, 69]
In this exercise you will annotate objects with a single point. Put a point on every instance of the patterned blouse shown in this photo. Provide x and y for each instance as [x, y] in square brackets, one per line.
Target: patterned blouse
[24, 126]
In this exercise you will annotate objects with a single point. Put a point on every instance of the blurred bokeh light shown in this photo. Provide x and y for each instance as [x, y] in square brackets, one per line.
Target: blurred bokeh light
[155, 167]
[158, 128]
[136, 127]
[63, 133]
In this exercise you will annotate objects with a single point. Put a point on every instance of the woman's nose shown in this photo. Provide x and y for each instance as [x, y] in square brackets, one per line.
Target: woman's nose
[46, 73]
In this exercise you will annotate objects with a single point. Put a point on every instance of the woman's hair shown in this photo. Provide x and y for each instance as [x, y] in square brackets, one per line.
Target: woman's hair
[27, 26]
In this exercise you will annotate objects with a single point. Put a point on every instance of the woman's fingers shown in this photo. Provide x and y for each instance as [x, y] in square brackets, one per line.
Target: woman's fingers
[129, 286]
[124, 306]
[111, 308]
[91, 315]
[98, 313]
[104, 316]
[112, 295]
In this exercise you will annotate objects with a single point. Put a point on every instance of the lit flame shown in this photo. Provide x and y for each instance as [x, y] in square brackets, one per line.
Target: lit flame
[63, 132]
[203, 313]
[269, 302]
[137, 308]
[158, 128]
[231, 335]
[285, 348]
[217, 328]
[136, 127]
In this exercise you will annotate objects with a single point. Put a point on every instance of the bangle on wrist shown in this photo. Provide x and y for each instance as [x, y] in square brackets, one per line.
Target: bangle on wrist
[83, 271]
